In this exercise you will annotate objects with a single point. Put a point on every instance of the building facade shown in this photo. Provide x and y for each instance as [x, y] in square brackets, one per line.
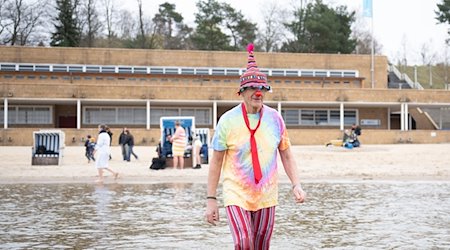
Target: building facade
[318, 95]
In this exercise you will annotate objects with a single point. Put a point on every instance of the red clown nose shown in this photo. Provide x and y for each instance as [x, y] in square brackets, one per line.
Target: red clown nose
[258, 93]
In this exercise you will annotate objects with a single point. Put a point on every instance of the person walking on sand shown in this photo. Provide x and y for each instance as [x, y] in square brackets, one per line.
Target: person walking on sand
[110, 133]
[122, 141]
[178, 145]
[197, 148]
[89, 144]
[129, 143]
[103, 149]
[246, 143]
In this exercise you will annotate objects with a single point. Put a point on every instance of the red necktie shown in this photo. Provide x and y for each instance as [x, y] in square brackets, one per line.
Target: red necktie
[253, 146]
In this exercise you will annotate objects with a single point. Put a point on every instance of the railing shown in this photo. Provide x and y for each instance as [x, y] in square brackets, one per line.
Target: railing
[123, 69]
[405, 77]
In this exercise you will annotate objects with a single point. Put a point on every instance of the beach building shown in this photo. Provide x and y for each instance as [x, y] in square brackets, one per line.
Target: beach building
[318, 95]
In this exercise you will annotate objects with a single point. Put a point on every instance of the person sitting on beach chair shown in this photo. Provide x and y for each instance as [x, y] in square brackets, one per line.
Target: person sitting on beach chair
[349, 140]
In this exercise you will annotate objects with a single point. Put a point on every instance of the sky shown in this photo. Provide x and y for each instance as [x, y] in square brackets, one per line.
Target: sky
[398, 25]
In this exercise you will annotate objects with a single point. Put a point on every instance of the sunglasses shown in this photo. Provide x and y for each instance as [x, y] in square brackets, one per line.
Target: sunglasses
[254, 88]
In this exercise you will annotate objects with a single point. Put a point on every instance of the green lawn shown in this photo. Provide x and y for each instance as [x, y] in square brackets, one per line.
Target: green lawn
[423, 75]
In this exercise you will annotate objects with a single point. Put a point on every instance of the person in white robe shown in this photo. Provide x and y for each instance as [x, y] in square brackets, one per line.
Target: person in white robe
[102, 148]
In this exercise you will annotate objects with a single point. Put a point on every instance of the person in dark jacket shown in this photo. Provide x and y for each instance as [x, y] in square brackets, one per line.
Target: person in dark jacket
[129, 145]
[122, 140]
[90, 146]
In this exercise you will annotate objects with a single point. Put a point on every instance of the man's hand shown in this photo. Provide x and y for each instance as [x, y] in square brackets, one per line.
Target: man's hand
[299, 194]
[212, 212]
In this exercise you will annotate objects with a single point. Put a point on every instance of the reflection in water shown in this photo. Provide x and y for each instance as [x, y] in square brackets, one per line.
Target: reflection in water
[344, 215]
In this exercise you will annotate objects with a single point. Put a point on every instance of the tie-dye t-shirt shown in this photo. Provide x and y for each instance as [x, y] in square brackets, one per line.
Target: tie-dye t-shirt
[233, 136]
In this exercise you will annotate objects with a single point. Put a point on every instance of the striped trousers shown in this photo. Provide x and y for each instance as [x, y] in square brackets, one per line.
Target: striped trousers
[251, 230]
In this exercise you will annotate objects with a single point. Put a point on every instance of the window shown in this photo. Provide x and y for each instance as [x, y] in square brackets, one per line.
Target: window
[321, 117]
[232, 72]
[28, 115]
[335, 73]
[156, 114]
[92, 69]
[277, 72]
[26, 67]
[171, 71]
[307, 117]
[335, 117]
[108, 69]
[202, 115]
[140, 70]
[187, 71]
[349, 117]
[291, 73]
[75, 68]
[291, 116]
[218, 72]
[349, 74]
[202, 71]
[126, 70]
[8, 67]
[109, 115]
[59, 68]
[42, 68]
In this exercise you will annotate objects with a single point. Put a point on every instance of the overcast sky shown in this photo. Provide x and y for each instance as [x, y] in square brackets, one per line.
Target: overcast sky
[397, 24]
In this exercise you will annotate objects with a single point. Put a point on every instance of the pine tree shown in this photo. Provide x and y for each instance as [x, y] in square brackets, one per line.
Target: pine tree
[66, 32]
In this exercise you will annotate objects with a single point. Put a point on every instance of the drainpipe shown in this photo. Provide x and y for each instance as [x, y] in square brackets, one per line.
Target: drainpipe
[342, 116]
[78, 114]
[5, 113]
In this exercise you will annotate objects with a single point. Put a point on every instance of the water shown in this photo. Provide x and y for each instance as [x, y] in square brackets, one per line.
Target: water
[338, 215]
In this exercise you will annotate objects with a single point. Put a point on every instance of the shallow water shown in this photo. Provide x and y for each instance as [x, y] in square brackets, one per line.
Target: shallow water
[338, 215]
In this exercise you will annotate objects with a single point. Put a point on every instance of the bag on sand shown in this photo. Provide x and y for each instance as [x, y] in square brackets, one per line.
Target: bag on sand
[158, 163]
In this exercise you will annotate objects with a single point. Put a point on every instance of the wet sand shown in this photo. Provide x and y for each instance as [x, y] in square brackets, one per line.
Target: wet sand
[427, 162]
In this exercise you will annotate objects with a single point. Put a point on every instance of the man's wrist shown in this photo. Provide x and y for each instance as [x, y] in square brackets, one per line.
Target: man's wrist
[210, 197]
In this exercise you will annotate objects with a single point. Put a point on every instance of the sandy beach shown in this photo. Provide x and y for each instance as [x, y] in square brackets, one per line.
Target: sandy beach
[417, 162]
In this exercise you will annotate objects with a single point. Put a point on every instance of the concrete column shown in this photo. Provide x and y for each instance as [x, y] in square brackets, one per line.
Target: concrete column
[148, 115]
[78, 114]
[406, 117]
[440, 118]
[389, 118]
[279, 107]
[402, 117]
[214, 115]
[342, 116]
[5, 113]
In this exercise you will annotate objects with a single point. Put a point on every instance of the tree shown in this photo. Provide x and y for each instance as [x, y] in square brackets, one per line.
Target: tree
[109, 17]
[242, 31]
[126, 25]
[320, 29]
[146, 36]
[270, 38]
[298, 29]
[90, 23]
[443, 15]
[221, 27]
[208, 35]
[67, 32]
[3, 23]
[19, 20]
[363, 39]
[169, 25]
